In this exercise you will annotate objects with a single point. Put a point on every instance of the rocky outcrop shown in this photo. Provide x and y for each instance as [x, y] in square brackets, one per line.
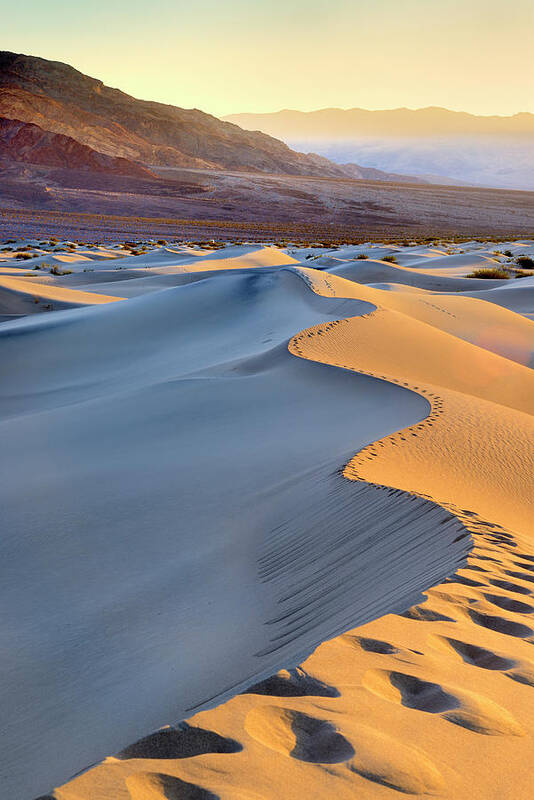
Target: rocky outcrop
[28, 143]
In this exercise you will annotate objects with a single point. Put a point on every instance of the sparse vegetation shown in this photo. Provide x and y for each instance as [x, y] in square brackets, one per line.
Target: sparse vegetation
[390, 259]
[525, 262]
[489, 272]
[362, 257]
[57, 271]
[101, 229]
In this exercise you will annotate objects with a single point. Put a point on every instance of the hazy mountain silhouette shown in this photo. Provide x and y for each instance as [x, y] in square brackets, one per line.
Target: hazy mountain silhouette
[429, 142]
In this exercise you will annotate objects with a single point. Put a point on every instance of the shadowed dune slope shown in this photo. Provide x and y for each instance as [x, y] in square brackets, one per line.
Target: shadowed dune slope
[435, 701]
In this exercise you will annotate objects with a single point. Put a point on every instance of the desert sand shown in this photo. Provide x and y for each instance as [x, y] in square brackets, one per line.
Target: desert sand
[268, 514]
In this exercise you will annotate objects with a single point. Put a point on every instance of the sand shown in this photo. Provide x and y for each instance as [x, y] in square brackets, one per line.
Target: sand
[231, 467]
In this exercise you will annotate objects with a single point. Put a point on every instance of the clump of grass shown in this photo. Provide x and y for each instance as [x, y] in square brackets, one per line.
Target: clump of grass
[525, 262]
[363, 257]
[390, 259]
[57, 271]
[489, 272]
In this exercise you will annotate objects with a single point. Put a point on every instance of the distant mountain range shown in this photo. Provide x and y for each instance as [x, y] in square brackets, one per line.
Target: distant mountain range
[434, 144]
[337, 123]
[61, 100]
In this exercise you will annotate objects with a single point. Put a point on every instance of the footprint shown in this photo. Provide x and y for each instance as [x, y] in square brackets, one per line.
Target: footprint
[472, 653]
[524, 675]
[293, 683]
[529, 567]
[464, 580]
[370, 645]
[481, 715]
[509, 604]
[184, 741]
[523, 576]
[424, 614]
[499, 624]
[471, 711]
[298, 735]
[409, 691]
[508, 586]
[389, 762]
[157, 786]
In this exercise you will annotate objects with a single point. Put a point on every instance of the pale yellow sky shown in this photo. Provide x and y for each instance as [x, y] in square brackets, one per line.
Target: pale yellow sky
[236, 55]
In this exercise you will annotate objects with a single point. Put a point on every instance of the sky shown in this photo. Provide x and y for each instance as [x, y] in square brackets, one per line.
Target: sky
[228, 56]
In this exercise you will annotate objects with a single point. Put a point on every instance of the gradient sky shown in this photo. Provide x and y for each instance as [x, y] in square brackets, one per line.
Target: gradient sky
[227, 56]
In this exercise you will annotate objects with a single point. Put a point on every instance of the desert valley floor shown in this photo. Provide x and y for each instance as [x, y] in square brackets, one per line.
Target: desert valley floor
[268, 521]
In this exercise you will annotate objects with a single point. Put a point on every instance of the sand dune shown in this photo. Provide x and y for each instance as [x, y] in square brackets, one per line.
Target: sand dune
[228, 469]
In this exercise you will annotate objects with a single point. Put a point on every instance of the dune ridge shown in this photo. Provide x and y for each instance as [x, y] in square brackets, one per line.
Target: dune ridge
[398, 704]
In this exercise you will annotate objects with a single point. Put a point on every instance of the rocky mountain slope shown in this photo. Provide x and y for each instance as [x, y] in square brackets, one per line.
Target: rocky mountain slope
[29, 144]
[62, 100]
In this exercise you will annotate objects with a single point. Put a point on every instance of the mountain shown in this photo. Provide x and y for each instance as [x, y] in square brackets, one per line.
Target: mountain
[29, 144]
[337, 123]
[435, 144]
[60, 99]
